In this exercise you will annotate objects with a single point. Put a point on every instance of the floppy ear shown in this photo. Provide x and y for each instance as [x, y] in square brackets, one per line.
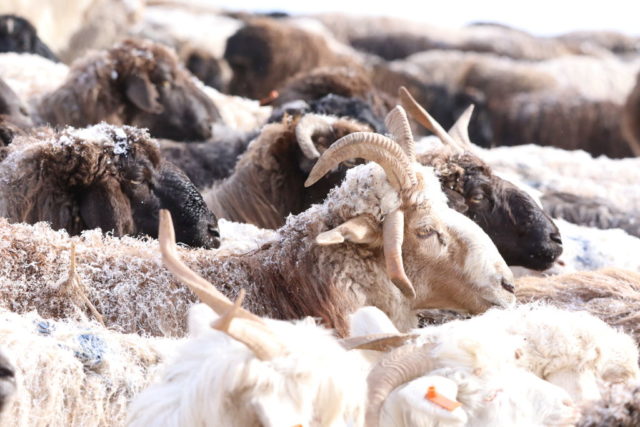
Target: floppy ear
[357, 230]
[143, 94]
[456, 201]
[106, 206]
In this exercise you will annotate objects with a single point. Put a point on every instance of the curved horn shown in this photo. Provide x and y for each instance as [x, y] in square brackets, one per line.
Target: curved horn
[306, 127]
[205, 291]
[261, 341]
[460, 129]
[369, 146]
[393, 235]
[398, 367]
[398, 124]
[376, 342]
[421, 116]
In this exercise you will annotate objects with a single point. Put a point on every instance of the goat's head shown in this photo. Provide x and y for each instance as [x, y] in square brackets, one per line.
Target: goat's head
[523, 233]
[437, 257]
[160, 94]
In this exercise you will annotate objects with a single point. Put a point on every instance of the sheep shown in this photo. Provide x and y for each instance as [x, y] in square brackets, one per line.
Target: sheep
[266, 184]
[137, 83]
[265, 53]
[74, 373]
[561, 119]
[523, 233]
[592, 212]
[102, 176]
[571, 350]
[280, 373]
[631, 118]
[18, 35]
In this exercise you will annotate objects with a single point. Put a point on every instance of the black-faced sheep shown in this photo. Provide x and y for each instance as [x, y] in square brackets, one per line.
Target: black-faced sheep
[137, 83]
[265, 53]
[523, 233]
[18, 35]
[589, 211]
[102, 176]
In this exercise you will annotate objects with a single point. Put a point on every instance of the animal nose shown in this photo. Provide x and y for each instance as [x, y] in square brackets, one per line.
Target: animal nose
[508, 286]
[556, 238]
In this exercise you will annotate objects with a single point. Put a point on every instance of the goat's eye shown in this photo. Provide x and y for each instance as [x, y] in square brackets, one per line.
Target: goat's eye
[213, 230]
[166, 83]
[135, 182]
[425, 233]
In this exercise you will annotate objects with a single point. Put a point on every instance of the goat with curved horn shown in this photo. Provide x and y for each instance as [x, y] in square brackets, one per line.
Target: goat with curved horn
[399, 170]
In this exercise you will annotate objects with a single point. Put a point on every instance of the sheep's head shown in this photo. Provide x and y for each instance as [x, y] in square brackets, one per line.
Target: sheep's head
[523, 233]
[160, 94]
[437, 257]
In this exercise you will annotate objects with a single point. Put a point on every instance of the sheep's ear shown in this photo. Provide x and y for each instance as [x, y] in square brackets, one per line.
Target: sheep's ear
[143, 94]
[357, 230]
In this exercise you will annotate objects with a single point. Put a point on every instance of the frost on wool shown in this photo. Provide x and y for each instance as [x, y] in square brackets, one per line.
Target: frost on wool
[71, 373]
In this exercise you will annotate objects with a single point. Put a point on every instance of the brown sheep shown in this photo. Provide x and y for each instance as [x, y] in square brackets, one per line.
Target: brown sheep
[138, 83]
[265, 53]
[104, 176]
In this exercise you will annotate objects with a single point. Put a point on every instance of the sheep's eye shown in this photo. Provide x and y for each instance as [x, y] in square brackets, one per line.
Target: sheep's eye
[135, 182]
[425, 233]
[166, 83]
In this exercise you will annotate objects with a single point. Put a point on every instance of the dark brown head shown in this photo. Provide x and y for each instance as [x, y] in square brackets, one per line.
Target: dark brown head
[265, 53]
[518, 226]
[160, 94]
[18, 35]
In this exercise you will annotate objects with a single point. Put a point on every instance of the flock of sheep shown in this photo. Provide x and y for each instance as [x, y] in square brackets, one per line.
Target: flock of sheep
[221, 218]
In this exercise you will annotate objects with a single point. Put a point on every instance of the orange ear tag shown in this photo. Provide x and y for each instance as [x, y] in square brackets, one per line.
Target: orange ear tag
[440, 400]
